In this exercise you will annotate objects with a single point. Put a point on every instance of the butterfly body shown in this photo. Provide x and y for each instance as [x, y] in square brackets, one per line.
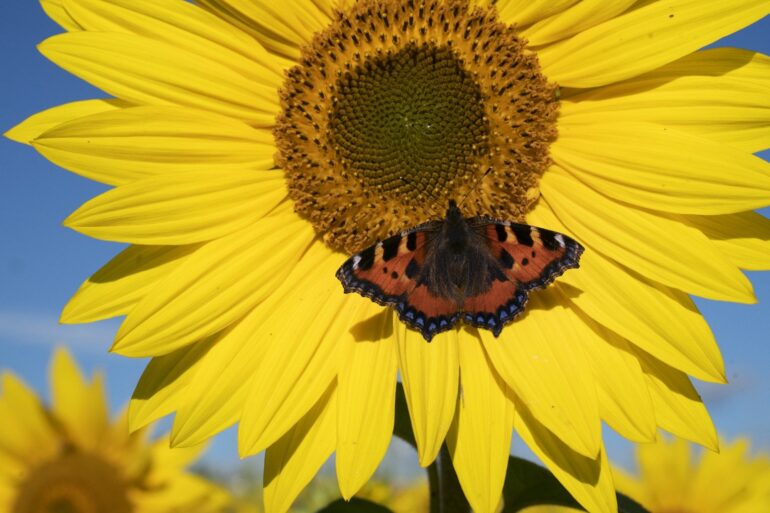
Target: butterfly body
[478, 270]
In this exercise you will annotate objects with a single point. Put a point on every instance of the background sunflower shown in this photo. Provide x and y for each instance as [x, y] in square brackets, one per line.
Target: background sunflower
[672, 476]
[70, 457]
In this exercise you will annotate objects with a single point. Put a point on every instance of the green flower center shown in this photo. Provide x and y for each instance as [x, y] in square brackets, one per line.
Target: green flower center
[409, 123]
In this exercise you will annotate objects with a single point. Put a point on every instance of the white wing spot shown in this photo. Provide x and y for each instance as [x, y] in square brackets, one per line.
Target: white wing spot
[356, 260]
[559, 239]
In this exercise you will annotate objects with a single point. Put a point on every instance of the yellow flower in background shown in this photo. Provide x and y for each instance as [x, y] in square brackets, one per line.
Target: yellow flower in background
[70, 458]
[672, 480]
[254, 145]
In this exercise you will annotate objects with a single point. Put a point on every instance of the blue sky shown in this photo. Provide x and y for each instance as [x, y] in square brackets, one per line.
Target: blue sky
[42, 263]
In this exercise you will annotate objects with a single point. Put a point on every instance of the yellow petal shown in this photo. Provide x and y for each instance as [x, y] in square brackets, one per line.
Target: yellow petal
[147, 71]
[184, 25]
[35, 125]
[215, 287]
[744, 238]
[120, 146]
[430, 375]
[719, 94]
[56, 11]
[524, 12]
[709, 483]
[624, 401]
[307, 338]
[219, 388]
[11, 467]
[178, 208]
[29, 435]
[657, 247]
[118, 286]
[367, 388]
[281, 27]
[536, 357]
[161, 388]
[630, 485]
[671, 171]
[644, 39]
[213, 399]
[81, 407]
[588, 480]
[667, 471]
[577, 18]
[678, 407]
[662, 321]
[168, 461]
[186, 492]
[293, 460]
[479, 438]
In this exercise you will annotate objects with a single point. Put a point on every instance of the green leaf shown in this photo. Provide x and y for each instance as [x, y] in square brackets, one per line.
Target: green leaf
[528, 484]
[355, 505]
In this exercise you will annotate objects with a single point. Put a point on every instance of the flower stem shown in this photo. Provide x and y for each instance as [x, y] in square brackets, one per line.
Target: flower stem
[446, 496]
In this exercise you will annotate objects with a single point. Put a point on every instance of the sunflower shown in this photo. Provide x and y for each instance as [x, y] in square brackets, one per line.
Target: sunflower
[254, 145]
[69, 457]
[671, 481]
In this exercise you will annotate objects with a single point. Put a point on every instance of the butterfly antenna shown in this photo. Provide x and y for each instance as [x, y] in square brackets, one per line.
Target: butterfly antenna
[475, 183]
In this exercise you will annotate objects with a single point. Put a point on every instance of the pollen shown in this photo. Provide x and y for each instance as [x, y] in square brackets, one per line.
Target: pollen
[399, 106]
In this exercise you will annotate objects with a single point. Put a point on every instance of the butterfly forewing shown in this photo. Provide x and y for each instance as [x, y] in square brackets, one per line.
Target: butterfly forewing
[531, 256]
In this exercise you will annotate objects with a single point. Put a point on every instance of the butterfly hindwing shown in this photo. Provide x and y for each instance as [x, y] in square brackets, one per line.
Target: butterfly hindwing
[523, 258]
[496, 307]
[427, 312]
[389, 273]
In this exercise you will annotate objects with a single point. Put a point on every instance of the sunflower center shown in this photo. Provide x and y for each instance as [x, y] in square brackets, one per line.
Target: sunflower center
[409, 123]
[399, 106]
[74, 483]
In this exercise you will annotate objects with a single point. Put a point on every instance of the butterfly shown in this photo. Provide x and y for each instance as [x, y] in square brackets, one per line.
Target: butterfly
[477, 270]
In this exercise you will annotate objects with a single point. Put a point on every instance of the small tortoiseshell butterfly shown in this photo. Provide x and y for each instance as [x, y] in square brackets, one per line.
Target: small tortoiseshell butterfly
[478, 270]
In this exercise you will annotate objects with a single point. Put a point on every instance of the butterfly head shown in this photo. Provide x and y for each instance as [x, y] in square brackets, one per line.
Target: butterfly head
[453, 211]
[455, 228]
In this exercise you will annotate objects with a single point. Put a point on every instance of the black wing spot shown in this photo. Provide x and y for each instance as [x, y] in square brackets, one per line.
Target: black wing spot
[502, 233]
[394, 275]
[525, 261]
[390, 247]
[506, 259]
[533, 254]
[549, 240]
[523, 235]
[411, 241]
[412, 269]
[367, 259]
[496, 274]
[384, 270]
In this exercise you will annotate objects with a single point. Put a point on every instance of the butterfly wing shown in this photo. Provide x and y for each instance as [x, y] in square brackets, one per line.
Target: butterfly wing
[522, 258]
[390, 272]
